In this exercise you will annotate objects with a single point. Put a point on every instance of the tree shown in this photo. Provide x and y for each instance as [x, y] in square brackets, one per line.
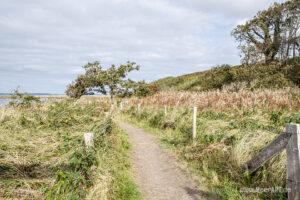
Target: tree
[271, 34]
[263, 32]
[95, 78]
[77, 88]
[291, 30]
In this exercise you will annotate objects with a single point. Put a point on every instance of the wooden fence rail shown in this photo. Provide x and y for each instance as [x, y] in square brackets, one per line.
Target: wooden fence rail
[289, 140]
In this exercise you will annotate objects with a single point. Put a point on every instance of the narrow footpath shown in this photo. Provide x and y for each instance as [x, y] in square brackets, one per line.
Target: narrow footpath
[155, 171]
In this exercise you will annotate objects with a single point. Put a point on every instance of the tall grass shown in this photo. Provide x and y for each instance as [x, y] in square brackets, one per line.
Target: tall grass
[288, 98]
[42, 153]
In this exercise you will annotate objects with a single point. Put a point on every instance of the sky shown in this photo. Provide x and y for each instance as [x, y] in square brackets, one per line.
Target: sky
[44, 44]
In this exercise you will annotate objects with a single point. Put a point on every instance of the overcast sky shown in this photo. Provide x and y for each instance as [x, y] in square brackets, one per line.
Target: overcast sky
[44, 44]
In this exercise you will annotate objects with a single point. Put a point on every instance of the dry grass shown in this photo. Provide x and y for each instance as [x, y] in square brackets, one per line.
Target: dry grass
[26, 156]
[220, 100]
[42, 143]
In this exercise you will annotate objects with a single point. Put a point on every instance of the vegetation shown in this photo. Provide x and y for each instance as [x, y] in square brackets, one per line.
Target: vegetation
[231, 129]
[43, 155]
[111, 80]
[273, 75]
[271, 34]
[23, 100]
[241, 109]
[220, 100]
[142, 89]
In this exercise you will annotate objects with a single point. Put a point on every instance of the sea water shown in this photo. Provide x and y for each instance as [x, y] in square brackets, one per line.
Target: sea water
[3, 102]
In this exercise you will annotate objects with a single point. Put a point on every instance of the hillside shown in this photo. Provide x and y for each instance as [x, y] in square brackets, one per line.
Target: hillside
[274, 75]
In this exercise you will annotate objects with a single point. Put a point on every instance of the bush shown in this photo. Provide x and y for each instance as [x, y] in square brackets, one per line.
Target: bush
[156, 119]
[23, 100]
[142, 89]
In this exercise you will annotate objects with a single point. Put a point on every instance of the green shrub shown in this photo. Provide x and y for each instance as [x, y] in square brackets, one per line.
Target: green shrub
[23, 100]
[272, 75]
[156, 119]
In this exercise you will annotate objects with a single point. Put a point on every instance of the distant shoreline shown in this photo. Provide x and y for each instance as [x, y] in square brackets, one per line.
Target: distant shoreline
[41, 96]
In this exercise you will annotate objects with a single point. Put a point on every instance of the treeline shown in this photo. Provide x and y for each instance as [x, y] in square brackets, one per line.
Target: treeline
[272, 34]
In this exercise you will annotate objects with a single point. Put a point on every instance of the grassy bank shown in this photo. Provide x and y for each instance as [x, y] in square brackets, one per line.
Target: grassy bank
[272, 75]
[42, 155]
[229, 134]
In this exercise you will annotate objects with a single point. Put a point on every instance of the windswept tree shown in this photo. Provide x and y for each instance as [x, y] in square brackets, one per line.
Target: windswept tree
[77, 88]
[271, 34]
[110, 81]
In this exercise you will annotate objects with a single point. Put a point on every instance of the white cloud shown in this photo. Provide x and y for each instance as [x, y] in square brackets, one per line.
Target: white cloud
[44, 44]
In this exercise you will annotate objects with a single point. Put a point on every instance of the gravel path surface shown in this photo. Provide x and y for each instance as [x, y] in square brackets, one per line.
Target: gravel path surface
[156, 172]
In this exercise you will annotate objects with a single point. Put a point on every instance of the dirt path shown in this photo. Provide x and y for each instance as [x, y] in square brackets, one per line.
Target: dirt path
[156, 172]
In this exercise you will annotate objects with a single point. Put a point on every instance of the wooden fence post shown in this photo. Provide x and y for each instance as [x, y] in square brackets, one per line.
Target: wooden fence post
[194, 122]
[139, 108]
[293, 162]
[89, 140]
[166, 110]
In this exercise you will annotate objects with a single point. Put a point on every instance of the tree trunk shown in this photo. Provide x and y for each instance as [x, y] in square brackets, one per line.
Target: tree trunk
[269, 56]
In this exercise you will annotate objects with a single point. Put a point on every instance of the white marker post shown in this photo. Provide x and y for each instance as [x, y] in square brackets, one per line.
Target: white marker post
[194, 122]
[89, 140]
[139, 108]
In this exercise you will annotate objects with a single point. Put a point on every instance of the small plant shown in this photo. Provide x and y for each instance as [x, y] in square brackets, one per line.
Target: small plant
[276, 117]
[23, 100]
